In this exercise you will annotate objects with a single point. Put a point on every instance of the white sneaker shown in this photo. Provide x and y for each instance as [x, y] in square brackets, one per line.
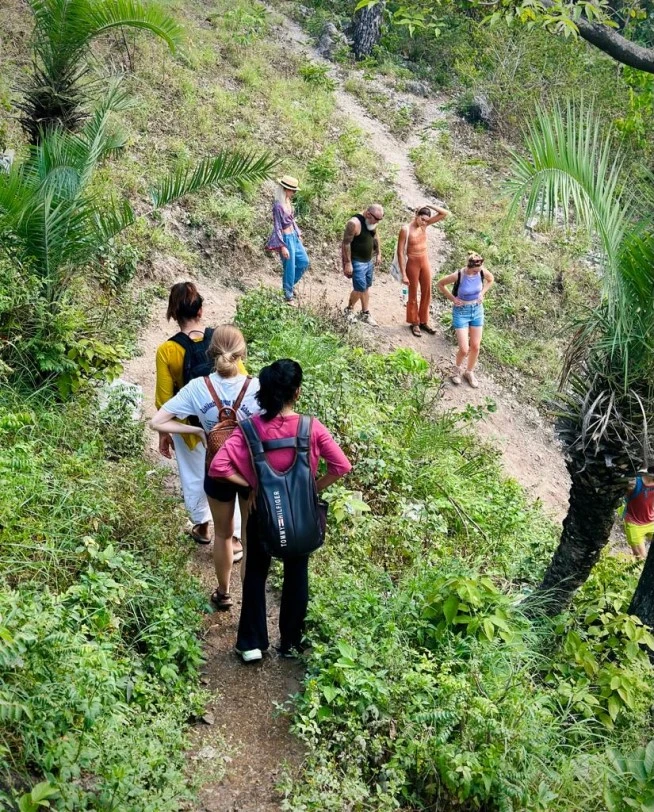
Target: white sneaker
[366, 318]
[253, 655]
[456, 376]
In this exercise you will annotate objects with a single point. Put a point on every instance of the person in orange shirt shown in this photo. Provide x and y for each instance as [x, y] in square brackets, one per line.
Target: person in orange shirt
[185, 307]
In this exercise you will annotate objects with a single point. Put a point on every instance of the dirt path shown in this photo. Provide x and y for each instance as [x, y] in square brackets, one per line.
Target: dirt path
[530, 453]
[240, 754]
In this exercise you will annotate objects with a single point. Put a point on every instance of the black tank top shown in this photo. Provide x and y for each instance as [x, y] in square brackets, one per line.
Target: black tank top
[362, 244]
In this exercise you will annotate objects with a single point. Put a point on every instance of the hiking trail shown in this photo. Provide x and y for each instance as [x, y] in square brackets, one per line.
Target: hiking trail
[241, 713]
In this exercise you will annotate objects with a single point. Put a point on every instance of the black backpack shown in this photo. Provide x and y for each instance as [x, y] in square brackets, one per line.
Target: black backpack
[196, 360]
[290, 516]
[455, 286]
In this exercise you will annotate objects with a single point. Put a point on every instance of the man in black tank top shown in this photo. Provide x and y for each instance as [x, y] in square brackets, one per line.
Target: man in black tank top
[361, 254]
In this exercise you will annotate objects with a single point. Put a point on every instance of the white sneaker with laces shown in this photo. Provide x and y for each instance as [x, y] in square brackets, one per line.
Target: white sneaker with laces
[366, 318]
[253, 655]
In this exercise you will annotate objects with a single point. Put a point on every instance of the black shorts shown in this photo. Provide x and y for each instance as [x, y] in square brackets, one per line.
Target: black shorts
[223, 491]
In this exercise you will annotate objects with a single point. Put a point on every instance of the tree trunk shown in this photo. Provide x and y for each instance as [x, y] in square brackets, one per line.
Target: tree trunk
[613, 43]
[595, 493]
[642, 604]
[366, 31]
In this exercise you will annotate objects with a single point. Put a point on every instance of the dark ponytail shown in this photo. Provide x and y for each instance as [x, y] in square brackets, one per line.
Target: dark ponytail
[184, 303]
[278, 385]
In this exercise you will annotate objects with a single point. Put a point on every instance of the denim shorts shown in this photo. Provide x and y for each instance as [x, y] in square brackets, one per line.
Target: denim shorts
[362, 275]
[470, 315]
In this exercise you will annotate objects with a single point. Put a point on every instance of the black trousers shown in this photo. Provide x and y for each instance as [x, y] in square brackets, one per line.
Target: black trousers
[253, 626]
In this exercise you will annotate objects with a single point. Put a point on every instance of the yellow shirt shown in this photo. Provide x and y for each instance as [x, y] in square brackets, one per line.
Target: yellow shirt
[170, 378]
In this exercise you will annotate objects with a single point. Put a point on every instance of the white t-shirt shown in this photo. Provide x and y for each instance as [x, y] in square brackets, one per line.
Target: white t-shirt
[195, 399]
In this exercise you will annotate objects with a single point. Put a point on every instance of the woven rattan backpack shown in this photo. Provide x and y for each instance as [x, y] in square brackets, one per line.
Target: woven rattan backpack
[227, 419]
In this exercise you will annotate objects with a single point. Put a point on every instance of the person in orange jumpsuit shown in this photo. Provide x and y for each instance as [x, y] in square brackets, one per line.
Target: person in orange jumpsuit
[413, 259]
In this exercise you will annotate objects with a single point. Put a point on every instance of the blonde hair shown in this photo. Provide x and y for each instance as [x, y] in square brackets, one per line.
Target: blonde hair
[280, 197]
[227, 348]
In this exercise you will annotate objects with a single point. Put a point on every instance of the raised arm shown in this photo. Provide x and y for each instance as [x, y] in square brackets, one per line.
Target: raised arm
[352, 229]
[441, 214]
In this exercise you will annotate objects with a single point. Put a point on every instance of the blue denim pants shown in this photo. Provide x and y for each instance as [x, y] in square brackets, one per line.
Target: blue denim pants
[296, 264]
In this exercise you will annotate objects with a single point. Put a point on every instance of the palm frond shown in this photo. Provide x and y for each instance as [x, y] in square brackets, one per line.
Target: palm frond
[107, 14]
[228, 169]
[572, 167]
[113, 218]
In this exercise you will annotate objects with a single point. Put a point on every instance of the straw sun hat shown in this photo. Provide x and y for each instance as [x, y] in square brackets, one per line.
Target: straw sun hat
[289, 182]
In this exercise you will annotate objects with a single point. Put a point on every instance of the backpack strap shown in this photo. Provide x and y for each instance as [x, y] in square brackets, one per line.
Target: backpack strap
[252, 438]
[241, 394]
[638, 488]
[304, 426]
[455, 286]
[183, 340]
[219, 404]
[214, 394]
[282, 442]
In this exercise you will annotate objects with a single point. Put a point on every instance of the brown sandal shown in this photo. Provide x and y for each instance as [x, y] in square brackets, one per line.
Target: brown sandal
[198, 538]
[428, 329]
[222, 600]
[416, 331]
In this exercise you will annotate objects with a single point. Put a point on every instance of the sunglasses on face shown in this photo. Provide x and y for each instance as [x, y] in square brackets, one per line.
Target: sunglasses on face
[374, 217]
[475, 263]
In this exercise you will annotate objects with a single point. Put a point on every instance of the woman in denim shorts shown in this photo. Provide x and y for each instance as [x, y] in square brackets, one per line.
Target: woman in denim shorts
[469, 286]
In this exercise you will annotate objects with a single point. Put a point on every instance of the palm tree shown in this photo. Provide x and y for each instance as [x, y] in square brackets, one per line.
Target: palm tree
[59, 88]
[605, 408]
[53, 226]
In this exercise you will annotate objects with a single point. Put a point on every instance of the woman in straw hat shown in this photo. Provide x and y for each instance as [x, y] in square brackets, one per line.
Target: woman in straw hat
[286, 237]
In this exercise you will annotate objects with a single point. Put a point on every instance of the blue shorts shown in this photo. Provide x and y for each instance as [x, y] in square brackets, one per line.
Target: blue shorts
[471, 315]
[362, 275]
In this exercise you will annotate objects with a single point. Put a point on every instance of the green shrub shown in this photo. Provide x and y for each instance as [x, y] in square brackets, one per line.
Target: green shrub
[99, 647]
[426, 686]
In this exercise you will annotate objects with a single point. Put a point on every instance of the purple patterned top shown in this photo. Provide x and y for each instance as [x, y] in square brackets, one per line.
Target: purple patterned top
[281, 219]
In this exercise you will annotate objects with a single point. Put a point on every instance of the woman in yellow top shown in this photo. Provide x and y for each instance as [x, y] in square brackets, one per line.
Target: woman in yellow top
[173, 365]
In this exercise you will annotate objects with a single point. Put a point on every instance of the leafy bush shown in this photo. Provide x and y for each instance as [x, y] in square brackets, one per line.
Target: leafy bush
[315, 74]
[99, 652]
[426, 686]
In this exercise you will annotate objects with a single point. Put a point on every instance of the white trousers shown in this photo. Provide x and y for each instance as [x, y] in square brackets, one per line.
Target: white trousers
[191, 467]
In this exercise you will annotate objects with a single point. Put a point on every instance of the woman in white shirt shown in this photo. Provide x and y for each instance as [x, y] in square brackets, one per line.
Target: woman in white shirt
[227, 350]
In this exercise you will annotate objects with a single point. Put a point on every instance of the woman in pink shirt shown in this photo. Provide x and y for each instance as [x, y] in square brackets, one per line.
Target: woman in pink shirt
[279, 390]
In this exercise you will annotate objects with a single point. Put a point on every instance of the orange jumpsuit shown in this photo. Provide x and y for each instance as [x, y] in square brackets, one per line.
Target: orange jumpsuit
[418, 272]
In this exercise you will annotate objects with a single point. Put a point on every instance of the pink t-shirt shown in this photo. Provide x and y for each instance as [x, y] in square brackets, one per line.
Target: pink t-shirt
[234, 456]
